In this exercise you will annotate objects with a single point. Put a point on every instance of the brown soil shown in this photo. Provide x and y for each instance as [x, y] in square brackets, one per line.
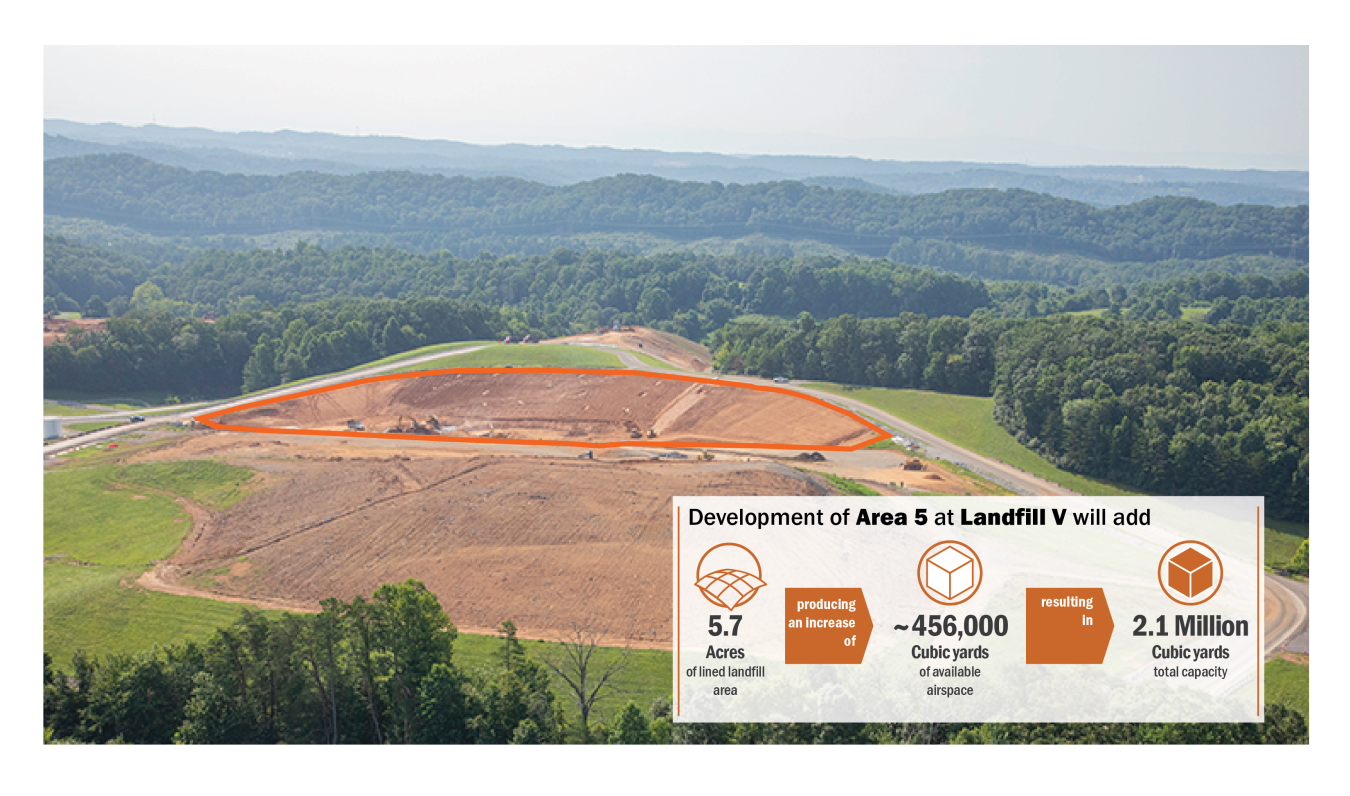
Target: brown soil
[576, 407]
[881, 468]
[1293, 657]
[674, 349]
[54, 329]
[545, 542]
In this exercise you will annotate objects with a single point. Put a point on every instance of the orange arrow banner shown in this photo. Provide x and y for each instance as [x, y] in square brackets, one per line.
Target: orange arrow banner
[826, 626]
[1067, 625]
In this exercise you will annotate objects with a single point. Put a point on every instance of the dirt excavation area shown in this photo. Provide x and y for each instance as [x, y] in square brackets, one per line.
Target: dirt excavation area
[577, 407]
[534, 535]
[542, 540]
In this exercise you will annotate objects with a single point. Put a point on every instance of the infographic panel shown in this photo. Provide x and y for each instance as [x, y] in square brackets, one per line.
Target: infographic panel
[891, 609]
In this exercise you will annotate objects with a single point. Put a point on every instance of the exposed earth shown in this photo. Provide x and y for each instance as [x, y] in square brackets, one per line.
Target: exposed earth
[536, 535]
[576, 407]
[544, 541]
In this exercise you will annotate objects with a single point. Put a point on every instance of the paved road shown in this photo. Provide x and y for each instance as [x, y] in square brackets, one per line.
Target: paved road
[198, 409]
[1286, 615]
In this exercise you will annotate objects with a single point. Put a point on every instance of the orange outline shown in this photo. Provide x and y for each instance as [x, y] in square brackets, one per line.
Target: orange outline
[208, 418]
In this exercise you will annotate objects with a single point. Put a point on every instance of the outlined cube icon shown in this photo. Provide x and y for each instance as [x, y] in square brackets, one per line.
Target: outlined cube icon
[949, 572]
[1190, 572]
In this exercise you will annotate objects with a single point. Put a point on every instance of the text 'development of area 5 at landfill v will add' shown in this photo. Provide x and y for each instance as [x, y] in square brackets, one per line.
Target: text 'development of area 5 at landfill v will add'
[892, 609]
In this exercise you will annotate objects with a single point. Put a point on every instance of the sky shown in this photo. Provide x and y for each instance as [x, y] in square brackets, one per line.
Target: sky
[1210, 106]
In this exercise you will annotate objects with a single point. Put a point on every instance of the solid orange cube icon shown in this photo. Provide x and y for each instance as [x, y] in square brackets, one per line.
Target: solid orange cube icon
[1190, 572]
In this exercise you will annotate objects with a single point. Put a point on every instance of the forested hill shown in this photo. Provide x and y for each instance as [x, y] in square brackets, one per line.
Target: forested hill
[438, 211]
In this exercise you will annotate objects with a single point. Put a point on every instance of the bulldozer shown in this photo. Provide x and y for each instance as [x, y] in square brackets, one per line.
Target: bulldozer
[705, 456]
[355, 425]
[913, 464]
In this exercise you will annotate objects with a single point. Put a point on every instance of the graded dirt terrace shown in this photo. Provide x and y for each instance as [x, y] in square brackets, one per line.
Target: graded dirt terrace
[543, 541]
[589, 408]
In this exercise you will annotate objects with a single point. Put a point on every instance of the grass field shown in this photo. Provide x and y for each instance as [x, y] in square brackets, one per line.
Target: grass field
[91, 426]
[87, 608]
[61, 410]
[969, 422]
[102, 525]
[1282, 540]
[647, 677]
[138, 400]
[653, 362]
[1287, 683]
[525, 356]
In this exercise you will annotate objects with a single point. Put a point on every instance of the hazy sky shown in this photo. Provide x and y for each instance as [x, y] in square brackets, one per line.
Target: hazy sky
[1225, 107]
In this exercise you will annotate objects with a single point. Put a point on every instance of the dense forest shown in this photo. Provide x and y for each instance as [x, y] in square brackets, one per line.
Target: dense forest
[366, 671]
[694, 294]
[1168, 407]
[151, 350]
[439, 211]
[383, 671]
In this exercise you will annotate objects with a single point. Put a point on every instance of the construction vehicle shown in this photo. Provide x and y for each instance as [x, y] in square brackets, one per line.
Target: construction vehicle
[705, 456]
[355, 425]
[651, 433]
[433, 423]
[414, 428]
[587, 455]
[509, 340]
[913, 464]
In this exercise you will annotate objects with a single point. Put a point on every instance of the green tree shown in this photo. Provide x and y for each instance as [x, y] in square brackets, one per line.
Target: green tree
[654, 304]
[443, 708]
[415, 635]
[95, 308]
[631, 728]
[1299, 563]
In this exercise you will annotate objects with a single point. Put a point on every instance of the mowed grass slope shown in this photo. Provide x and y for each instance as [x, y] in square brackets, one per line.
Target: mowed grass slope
[1282, 541]
[969, 422]
[102, 527]
[1287, 683]
[97, 610]
[524, 356]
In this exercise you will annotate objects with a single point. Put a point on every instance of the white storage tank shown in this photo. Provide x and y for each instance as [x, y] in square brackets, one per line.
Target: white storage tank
[51, 427]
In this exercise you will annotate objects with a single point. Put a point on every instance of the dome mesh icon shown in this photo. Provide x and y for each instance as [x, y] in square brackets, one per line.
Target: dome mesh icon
[729, 587]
